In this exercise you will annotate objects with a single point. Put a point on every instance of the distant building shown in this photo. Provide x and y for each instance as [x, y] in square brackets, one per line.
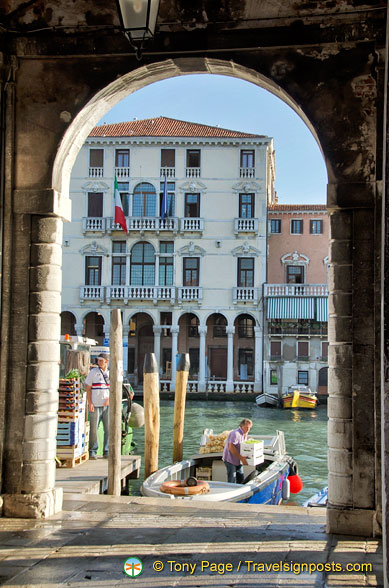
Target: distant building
[190, 281]
[296, 298]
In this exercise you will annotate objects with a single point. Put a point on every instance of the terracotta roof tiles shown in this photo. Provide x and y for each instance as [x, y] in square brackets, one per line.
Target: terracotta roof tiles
[295, 207]
[165, 127]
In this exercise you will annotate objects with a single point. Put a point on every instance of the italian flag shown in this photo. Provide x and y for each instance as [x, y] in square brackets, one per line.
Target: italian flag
[119, 213]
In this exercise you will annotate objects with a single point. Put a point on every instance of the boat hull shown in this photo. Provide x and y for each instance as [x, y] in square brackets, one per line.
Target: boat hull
[267, 483]
[299, 398]
[267, 400]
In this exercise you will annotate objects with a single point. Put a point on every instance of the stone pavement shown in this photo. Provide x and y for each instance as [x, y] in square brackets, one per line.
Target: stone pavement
[202, 545]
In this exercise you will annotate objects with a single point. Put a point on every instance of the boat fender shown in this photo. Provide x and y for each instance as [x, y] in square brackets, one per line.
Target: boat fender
[296, 484]
[191, 481]
[285, 491]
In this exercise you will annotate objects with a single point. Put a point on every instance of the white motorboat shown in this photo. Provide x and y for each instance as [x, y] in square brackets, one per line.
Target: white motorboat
[266, 483]
[267, 399]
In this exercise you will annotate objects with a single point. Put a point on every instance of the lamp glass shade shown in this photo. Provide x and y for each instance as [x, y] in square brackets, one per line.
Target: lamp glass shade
[139, 17]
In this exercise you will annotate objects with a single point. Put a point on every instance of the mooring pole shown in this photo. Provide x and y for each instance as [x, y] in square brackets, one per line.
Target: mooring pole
[179, 405]
[151, 408]
[115, 403]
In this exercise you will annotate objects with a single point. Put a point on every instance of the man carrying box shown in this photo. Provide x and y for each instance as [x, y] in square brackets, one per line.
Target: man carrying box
[231, 454]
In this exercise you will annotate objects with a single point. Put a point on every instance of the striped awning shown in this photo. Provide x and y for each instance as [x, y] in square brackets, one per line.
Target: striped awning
[290, 308]
[322, 310]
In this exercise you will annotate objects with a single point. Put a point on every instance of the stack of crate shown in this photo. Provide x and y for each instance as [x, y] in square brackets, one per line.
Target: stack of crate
[73, 430]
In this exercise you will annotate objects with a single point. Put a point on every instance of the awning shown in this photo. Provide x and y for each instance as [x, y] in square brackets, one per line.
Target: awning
[322, 310]
[290, 308]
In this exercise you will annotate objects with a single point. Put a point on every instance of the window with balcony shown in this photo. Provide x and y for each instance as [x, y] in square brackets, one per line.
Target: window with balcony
[192, 205]
[166, 263]
[246, 205]
[245, 272]
[302, 350]
[168, 163]
[273, 378]
[191, 267]
[247, 158]
[275, 350]
[171, 188]
[96, 163]
[275, 225]
[315, 227]
[296, 226]
[118, 263]
[144, 200]
[93, 270]
[95, 204]
[142, 267]
[125, 197]
[245, 327]
[122, 158]
[294, 274]
[302, 377]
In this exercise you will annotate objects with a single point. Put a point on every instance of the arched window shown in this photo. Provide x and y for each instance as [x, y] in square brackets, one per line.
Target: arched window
[246, 326]
[142, 265]
[144, 201]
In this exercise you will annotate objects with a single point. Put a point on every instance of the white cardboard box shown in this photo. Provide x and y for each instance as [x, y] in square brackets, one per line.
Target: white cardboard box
[253, 452]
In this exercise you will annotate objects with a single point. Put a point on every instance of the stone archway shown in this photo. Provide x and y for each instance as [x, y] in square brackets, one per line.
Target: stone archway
[40, 197]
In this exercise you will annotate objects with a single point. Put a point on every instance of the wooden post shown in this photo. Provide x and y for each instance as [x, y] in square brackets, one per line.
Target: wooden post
[179, 405]
[115, 403]
[151, 408]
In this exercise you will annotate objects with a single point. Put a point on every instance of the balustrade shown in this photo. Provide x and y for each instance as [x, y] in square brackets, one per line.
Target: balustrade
[192, 172]
[246, 225]
[186, 293]
[191, 224]
[168, 172]
[122, 173]
[93, 224]
[92, 293]
[247, 172]
[245, 295]
[296, 290]
[96, 172]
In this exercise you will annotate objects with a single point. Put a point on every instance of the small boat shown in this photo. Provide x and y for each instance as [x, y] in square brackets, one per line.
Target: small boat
[318, 499]
[267, 399]
[266, 483]
[299, 397]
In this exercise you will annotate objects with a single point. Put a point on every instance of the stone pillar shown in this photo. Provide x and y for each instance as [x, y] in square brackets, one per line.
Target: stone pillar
[157, 347]
[230, 359]
[78, 329]
[258, 362]
[202, 360]
[351, 428]
[38, 496]
[174, 331]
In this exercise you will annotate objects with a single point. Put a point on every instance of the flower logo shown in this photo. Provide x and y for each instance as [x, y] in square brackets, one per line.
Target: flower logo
[133, 567]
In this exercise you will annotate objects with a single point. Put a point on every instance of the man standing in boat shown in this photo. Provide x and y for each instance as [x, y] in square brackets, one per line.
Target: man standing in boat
[231, 455]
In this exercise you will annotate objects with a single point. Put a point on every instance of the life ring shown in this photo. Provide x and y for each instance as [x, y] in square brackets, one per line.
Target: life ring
[178, 488]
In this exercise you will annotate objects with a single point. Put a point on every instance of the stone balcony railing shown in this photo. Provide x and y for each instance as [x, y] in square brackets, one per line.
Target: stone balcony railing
[154, 293]
[92, 293]
[168, 172]
[296, 290]
[189, 294]
[93, 224]
[96, 172]
[246, 225]
[245, 295]
[122, 173]
[247, 172]
[188, 224]
[145, 223]
[193, 172]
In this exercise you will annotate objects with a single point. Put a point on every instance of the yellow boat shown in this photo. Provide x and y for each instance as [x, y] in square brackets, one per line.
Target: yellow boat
[299, 397]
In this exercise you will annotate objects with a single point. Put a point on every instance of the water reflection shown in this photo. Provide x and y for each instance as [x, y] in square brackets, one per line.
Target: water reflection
[305, 435]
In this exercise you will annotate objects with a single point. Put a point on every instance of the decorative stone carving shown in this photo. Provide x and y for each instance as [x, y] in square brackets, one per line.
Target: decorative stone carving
[95, 186]
[296, 258]
[94, 249]
[246, 250]
[193, 186]
[191, 250]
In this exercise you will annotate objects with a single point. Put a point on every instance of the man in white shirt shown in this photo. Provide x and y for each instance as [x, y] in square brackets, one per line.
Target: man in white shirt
[97, 392]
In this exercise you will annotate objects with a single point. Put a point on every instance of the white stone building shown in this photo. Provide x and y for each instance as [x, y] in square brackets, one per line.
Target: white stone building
[190, 282]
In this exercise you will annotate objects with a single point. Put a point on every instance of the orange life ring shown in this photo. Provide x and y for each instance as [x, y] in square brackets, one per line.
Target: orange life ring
[177, 488]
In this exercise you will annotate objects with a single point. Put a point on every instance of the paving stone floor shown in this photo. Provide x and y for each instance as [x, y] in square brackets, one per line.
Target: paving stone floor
[219, 545]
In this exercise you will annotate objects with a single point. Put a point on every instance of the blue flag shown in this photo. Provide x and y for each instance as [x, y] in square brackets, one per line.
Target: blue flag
[164, 210]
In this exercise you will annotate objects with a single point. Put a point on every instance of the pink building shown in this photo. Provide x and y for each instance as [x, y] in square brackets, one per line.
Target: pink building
[296, 298]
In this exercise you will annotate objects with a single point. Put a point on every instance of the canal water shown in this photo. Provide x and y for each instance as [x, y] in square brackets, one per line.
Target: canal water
[305, 435]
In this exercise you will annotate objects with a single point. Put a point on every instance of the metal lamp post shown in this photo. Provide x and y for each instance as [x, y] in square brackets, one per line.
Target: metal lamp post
[138, 19]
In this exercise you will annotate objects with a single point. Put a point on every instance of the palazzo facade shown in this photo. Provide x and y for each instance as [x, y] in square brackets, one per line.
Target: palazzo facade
[188, 276]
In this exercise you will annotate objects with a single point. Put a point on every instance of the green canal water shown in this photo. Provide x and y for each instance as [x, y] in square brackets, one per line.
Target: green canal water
[305, 435]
